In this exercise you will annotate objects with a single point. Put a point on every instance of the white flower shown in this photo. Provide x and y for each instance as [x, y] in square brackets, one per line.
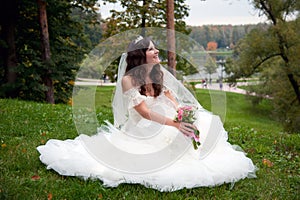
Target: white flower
[139, 38]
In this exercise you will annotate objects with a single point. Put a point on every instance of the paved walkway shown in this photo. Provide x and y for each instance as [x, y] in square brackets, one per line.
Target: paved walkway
[225, 87]
[213, 86]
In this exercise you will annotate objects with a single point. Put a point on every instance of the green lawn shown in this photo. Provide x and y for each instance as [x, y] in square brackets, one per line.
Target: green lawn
[26, 125]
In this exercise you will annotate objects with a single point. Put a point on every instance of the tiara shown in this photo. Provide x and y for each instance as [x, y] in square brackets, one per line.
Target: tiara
[139, 38]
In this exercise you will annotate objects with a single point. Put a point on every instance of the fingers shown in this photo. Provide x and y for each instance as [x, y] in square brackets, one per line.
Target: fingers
[187, 128]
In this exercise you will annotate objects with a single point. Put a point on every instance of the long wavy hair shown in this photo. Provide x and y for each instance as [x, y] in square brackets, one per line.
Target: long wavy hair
[136, 66]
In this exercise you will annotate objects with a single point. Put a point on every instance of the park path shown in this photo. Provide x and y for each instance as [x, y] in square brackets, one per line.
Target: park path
[225, 87]
[213, 86]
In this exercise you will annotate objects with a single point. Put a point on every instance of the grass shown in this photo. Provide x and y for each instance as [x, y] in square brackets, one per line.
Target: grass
[26, 125]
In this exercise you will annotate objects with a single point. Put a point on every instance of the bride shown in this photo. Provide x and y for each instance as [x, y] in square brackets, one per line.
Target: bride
[146, 145]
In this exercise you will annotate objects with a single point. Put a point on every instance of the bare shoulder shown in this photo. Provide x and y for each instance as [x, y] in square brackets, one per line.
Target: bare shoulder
[127, 83]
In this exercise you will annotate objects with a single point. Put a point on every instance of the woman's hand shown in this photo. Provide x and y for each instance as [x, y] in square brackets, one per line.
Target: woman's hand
[186, 128]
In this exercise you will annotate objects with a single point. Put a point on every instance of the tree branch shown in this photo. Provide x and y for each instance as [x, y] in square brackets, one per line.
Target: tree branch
[264, 60]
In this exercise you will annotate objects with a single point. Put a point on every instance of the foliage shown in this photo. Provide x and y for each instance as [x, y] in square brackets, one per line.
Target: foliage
[211, 46]
[68, 44]
[148, 13]
[210, 66]
[26, 125]
[272, 53]
[144, 13]
[226, 36]
[92, 29]
[187, 114]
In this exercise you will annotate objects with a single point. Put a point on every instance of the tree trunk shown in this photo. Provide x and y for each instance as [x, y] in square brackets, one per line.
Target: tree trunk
[282, 44]
[143, 25]
[171, 37]
[46, 50]
[8, 18]
[295, 86]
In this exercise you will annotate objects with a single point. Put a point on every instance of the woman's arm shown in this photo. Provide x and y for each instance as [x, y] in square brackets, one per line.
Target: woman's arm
[144, 111]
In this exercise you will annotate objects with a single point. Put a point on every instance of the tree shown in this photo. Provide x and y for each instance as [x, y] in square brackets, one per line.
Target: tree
[272, 53]
[211, 46]
[46, 55]
[146, 13]
[225, 35]
[8, 22]
[67, 39]
[210, 66]
[277, 12]
[171, 36]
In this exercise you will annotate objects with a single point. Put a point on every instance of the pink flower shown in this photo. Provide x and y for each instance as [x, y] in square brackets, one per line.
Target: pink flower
[187, 108]
[186, 114]
[180, 114]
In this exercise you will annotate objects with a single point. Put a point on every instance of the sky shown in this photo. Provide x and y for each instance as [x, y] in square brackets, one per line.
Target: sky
[234, 12]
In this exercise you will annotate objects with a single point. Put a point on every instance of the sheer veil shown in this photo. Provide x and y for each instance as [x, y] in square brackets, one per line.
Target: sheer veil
[119, 110]
[181, 93]
[184, 96]
[109, 50]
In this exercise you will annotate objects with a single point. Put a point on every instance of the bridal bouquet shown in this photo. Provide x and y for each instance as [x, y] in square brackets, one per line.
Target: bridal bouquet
[187, 114]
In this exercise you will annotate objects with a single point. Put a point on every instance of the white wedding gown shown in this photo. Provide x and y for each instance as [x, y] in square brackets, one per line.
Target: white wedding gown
[151, 154]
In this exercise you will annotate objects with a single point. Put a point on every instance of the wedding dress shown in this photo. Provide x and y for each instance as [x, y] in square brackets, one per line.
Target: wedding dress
[137, 150]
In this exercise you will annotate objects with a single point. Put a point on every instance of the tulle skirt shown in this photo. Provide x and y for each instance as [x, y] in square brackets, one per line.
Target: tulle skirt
[167, 161]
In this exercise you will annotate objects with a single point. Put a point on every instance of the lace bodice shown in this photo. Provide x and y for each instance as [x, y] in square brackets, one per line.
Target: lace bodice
[133, 97]
[160, 104]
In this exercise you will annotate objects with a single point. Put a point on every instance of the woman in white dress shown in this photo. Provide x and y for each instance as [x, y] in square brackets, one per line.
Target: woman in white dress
[146, 145]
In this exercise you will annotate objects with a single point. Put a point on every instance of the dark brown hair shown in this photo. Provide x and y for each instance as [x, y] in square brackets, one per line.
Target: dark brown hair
[136, 66]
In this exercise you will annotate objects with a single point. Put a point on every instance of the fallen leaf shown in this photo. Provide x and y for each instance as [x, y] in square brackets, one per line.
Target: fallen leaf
[3, 145]
[35, 177]
[100, 196]
[267, 162]
[71, 82]
[70, 102]
[50, 196]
